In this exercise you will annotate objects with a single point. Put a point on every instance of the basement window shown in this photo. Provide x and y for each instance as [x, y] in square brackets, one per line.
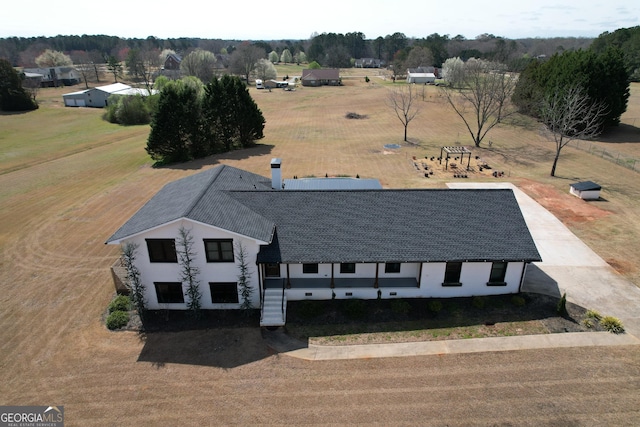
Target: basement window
[223, 292]
[169, 292]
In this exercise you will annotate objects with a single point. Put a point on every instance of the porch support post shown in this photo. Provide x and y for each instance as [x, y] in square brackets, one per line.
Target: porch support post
[260, 281]
[288, 278]
[420, 275]
[333, 284]
[375, 284]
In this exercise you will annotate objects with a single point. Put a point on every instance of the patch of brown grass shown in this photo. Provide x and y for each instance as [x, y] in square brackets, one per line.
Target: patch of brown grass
[55, 283]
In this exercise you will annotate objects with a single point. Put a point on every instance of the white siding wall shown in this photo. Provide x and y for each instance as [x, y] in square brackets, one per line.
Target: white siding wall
[474, 277]
[209, 271]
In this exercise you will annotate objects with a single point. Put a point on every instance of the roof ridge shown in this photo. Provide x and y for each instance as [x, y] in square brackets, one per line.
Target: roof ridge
[215, 174]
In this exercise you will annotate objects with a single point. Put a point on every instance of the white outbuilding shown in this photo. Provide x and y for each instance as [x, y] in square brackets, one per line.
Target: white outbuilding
[98, 96]
[586, 190]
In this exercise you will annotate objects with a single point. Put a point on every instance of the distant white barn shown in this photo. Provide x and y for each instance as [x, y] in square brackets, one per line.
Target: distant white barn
[98, 96]
[421, 78]
[586, 190]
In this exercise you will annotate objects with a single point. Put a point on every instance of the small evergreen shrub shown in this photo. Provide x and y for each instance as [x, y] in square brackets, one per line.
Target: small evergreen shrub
[561, 307]
[592, 314]
[612, 324]
[118, 319]
[518, 301]
[400, 306]
[355, 308]
[120, 303]
[434, 306]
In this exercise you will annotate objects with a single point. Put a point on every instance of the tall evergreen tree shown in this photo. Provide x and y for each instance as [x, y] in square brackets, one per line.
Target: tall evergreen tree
[13, 97]
[602, 76]
[175, 135]
[231, 117]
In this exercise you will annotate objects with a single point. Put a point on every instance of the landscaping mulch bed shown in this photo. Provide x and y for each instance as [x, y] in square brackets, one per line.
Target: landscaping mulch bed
[353, 321]
[342, 322]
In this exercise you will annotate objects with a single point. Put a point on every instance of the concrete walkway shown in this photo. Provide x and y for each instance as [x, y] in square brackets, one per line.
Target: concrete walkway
[568, 266]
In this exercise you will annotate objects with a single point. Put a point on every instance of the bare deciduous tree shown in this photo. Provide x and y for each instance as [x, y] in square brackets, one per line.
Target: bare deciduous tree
[199, 63]
[403, 102]
[569, 115]
[265, 70]
[483, 97]
[53, 58]
[82, 63]
[419, 57]
[244, 59]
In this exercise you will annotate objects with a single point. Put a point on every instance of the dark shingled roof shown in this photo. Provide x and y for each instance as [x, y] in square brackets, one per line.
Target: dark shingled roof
[199, 197]
[586, 186]
[345, 225]
[393, 225]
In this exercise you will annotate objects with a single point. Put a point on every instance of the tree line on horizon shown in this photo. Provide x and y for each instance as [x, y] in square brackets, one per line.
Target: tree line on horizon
[328, 49]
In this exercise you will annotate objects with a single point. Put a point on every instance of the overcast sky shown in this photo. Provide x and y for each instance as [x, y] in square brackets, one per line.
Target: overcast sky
[273, 20]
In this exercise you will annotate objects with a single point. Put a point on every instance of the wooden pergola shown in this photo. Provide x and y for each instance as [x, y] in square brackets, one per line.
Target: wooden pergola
[459, 151]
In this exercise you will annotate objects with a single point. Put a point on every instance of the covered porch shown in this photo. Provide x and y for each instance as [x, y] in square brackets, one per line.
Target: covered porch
[340, 283]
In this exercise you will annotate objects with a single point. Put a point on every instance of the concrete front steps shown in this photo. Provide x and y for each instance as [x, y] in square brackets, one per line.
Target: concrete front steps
[274, 308]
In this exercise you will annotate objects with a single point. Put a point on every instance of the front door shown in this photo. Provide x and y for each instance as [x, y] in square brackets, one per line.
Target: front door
[272, 270]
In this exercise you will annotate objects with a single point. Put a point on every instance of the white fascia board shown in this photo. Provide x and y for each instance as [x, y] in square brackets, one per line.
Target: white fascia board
[131, 236]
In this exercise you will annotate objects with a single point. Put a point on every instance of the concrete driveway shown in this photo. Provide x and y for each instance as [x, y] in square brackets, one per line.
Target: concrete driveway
[568, 265]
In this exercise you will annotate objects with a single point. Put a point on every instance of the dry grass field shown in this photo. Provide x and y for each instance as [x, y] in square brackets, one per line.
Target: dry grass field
[68, 180]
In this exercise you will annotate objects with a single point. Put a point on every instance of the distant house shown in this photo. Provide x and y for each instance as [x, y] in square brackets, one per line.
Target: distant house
[321, 77]
[421, 75]
[586, 190]
[325, 239]
[172, 62]
[367, 63]
[98, 96]
[56, 76]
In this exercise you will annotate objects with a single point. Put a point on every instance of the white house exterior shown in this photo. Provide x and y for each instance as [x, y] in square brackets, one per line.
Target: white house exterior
[586, 190]
[323, 244]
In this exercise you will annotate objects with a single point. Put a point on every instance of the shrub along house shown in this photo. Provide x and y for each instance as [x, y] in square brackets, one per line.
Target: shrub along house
[323, 244]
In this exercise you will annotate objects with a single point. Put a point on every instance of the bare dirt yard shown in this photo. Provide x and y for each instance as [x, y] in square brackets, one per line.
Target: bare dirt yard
[56, 211]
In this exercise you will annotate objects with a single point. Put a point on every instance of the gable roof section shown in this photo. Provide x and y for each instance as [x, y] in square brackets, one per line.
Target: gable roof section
[113, 88]
[586, 186]
[199, 198]
[393, 226]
